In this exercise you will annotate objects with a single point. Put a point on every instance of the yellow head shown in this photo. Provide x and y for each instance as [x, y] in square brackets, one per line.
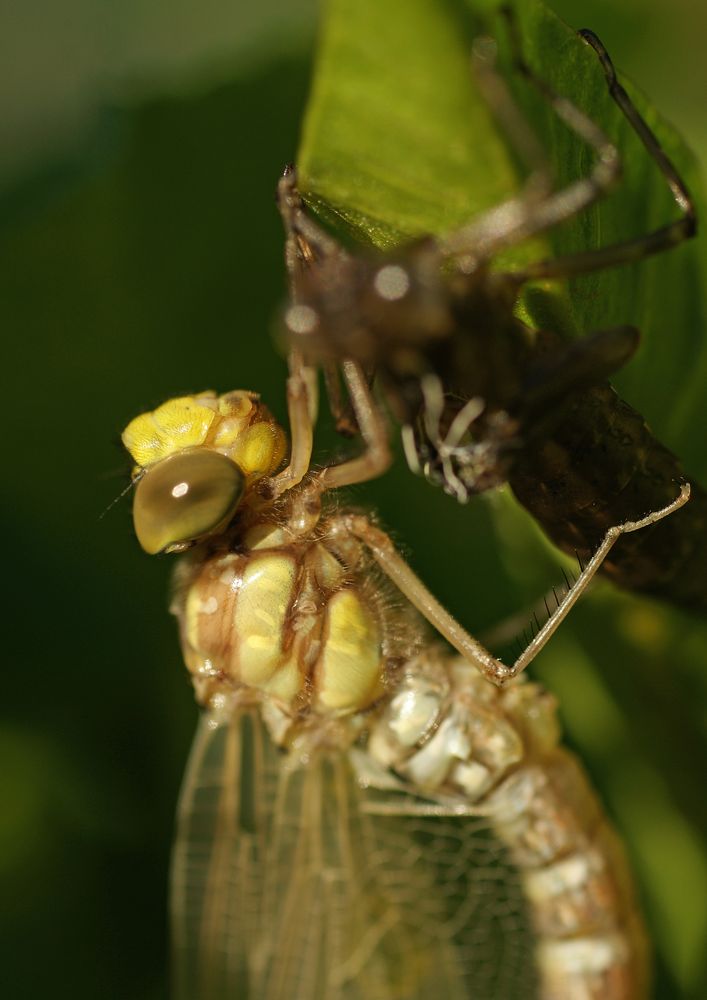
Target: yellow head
[196, 458]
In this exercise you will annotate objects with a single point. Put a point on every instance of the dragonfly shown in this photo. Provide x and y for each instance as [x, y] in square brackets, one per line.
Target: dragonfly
[365, 813]
[481, 398]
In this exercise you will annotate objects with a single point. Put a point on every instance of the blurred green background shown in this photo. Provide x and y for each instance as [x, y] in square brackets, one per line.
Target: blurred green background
[140, 257]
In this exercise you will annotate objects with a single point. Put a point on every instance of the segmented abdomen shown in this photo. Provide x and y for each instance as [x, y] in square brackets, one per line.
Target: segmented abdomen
[591, 942]
[459, 740]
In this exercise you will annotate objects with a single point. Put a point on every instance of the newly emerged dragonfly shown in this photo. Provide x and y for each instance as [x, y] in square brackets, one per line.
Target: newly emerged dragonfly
[482, 398]
[365, 815]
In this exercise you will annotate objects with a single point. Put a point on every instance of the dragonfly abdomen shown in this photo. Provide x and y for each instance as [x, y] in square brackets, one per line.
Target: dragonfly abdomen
[591, 941]
[457, 739]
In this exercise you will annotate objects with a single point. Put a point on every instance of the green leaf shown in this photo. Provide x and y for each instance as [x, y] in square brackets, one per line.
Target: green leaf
[398, 142]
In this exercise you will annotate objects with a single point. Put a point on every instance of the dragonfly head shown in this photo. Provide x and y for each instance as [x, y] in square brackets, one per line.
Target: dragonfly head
[197, 458]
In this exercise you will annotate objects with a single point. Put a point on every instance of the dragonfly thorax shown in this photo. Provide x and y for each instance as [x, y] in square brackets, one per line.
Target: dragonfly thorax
[290, 621]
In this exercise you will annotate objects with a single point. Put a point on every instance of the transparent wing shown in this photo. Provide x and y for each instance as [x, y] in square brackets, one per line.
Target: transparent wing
[299, 885]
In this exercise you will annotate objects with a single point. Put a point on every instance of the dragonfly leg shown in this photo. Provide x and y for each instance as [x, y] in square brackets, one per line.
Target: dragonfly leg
[306, 241]
[660, 239]
[409, 584]
[341, 410]
[520, 218]
[372, 424]
[301, 394]
[589, 571]
[400, 573]
[513, 122]
[308, 245]
[309, 248]
[302, 415]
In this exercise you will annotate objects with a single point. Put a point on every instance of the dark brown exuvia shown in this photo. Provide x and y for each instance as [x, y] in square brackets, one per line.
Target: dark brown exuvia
[483, 399]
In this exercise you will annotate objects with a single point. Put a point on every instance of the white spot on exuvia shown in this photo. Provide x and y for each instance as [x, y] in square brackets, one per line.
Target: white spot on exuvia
[180, 490]
[301, 319]
[209, 606]
[392, 282]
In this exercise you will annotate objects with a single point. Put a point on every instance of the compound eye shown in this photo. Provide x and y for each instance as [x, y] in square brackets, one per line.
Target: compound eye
[184, 498]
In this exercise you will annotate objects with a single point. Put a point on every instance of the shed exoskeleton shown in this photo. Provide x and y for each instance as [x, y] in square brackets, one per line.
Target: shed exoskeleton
[483, 399]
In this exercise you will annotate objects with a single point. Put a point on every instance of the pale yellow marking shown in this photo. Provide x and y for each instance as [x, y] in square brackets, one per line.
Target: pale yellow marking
[327, 569]
[286, 683]
[264, 536]
[265, 593]
[236, 410]
[226, 433]
[179, 423]
[192, 609]
[579, 957]
[535, 713]
[261, 642]
[266, 618]
[259, 449]
[349, 670]
[237, 403]
[567, 875]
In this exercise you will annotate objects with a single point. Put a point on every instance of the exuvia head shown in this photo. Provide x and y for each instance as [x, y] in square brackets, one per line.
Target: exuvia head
[196, 458]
